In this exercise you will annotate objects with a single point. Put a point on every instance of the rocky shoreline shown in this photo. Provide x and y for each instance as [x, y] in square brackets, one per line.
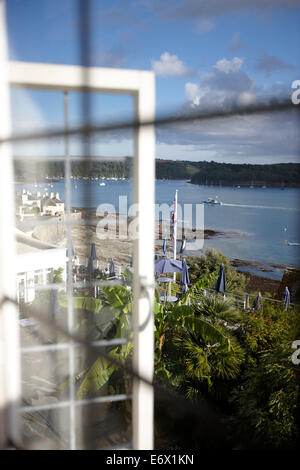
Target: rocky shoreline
[256, 282]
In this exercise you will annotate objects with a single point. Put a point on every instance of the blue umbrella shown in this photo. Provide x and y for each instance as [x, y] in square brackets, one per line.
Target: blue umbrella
[93, 251]
[286, 297]
[167, 265]
[90, 266]
[185, 280]
[183, 245]
[164, 246]
[72, 250]
[221, 282]
[112, 269]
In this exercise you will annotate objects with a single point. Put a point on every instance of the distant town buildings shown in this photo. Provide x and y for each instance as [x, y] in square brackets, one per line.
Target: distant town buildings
[30, 205]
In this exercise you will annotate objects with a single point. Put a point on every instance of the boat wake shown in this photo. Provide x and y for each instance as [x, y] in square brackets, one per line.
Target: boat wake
[262, 207]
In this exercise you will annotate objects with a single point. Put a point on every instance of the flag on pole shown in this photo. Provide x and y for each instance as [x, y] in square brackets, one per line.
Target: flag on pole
[173, 218]
[174, 230]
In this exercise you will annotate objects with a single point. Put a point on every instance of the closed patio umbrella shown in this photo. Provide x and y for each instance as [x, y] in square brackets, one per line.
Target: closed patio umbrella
[256, 304]
[93, 251]
[184, 280]
[286, 297]
[183, 245]
[164, 248]
[90, 266]
[112, 269]
[221, 282]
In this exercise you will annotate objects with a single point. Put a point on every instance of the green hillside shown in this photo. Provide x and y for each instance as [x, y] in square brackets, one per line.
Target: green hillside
[206, 173]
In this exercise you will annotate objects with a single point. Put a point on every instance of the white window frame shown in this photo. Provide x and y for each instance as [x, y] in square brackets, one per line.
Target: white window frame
[140, 85]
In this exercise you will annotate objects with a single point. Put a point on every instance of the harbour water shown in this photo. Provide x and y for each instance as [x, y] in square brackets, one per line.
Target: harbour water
[264, 219]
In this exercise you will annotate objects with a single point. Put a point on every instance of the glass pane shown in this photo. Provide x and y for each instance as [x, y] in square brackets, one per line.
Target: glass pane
[46, 429]
[45, 377]
[105, 425]
[74, 269]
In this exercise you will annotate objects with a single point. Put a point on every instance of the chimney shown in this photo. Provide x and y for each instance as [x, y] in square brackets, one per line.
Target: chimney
[38, 194]
[57, 195]
[51, 195]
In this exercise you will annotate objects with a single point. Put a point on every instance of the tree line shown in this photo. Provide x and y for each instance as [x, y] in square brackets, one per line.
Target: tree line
[204, 173]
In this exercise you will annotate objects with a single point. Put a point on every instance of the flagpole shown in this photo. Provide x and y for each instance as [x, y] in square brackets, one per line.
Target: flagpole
[175, 229]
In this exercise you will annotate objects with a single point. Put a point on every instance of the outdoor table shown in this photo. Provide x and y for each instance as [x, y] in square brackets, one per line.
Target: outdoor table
[169, 298]
[166, 279]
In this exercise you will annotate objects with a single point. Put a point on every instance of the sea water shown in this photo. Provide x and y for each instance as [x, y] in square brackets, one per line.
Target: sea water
[263, 219]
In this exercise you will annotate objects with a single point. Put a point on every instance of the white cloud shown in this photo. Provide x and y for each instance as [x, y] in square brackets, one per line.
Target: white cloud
[170, 66]
[237, 139]
[227, 66]
[192, 92]
[224, 85]
[246, 98]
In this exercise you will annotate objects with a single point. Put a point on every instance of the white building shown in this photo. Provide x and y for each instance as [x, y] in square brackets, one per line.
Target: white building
[53, 205]
[30, 205]
[35, 263]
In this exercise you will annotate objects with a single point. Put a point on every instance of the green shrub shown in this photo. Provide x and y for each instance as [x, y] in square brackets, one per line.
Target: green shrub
[209, 263]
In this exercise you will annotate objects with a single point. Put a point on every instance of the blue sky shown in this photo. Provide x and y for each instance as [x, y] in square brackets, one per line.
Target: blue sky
[204, 54]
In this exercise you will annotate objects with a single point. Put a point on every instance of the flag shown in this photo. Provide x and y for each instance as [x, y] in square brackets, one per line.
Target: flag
[173, 232]
[173, 218]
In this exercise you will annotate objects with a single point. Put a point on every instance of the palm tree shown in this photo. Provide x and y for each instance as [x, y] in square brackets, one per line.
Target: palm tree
[208, 355]
[217, 309]
[196, 345]
[105, 318]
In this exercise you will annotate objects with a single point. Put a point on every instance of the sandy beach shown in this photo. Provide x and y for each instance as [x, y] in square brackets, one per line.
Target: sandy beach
[120, 248]
[259, 276]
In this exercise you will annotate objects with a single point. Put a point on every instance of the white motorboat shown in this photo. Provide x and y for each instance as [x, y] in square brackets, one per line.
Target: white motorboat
[214, 202]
